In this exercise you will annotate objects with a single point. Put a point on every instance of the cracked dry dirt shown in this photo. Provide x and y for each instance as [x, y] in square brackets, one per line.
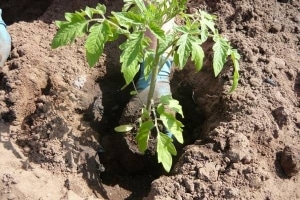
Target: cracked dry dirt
[55, 111]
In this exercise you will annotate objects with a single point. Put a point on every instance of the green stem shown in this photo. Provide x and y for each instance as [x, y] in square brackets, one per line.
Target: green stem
[155, 117]
[155, 68]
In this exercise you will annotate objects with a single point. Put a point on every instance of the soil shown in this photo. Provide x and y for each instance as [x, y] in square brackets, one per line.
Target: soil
[58, 115]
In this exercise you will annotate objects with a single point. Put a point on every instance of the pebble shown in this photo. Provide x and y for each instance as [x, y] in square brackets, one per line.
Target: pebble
[247, 159]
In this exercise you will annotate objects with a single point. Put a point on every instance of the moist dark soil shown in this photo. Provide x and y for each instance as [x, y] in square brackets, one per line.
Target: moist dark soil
[57, 138]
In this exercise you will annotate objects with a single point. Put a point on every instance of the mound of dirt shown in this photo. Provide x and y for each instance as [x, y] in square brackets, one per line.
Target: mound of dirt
[57, 114]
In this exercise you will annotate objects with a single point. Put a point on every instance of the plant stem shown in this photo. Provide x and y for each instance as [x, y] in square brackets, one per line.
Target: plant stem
[155, 68]
[155, 117]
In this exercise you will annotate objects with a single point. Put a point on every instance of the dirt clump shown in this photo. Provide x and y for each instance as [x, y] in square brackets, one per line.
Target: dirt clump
[290, 161]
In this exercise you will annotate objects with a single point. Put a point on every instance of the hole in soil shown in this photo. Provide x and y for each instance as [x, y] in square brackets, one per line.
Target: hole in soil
[110, 106]
[25, 10]
[126, 169]
[193, 117]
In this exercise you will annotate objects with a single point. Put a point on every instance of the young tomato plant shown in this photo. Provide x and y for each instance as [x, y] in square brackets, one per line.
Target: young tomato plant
[182, 42]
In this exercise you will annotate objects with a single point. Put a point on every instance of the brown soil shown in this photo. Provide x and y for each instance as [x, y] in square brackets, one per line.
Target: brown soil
[57, 114]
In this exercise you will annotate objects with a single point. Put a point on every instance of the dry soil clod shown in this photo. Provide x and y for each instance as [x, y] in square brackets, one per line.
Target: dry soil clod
[290, 161]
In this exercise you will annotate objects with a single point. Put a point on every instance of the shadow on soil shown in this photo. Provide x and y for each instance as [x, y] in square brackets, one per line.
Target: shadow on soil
[14, 11]
[297, 86]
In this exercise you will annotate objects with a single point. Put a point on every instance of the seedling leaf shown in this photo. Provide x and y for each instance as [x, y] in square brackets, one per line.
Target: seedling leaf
[220, 49]
[235, 57]
[143, 135]
[197, 56]
[173, 125]
[132, 55]
[68, 32]
[157, 31]
[95, 42]
[184, 49]
[165, 150]
[171, 103]
[123, 128]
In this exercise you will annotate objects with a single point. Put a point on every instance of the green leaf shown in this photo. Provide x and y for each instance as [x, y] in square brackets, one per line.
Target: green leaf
[176, 58]
[95, 42]
[136, 5]
[148, 61]
[134, 92]
[100, 9]
[141, 5]
[171, 147]
[160, 108]
[123, 128]
[89, 12]
[135, 18]
[220, 49]
[61, 23]
[74, 17]
[166, 43]
[235, 57]
[156, 30]
[115, 33]
[143, 135]
[184, 49]
[127, 5]
[182, 29]
[197, 56]
[194, 29]
[75, 26]
[165, 150]
[173, 125]
[132, 55]
[67, 34]
[203, 33]
[173, 104]
[128, 19]
[207, 20]
[208, 16]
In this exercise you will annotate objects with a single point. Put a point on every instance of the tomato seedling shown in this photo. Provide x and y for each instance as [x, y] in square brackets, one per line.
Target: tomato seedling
[181, 43]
